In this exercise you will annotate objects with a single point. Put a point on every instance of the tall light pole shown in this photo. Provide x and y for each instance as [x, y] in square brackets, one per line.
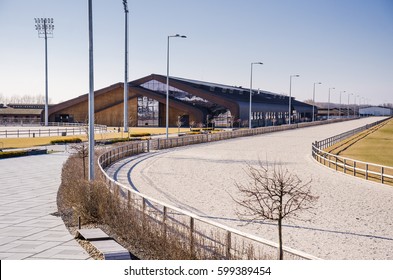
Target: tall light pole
[349, 94]
[313, 101]
[91, 95]
[290, 97]
[45, 28]
[167, 80]
[125, 66]
[329, 103]
[249, 113]
[339, 109]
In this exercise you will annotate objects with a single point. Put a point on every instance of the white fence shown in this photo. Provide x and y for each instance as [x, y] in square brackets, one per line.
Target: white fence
[74, 129]
[366, 170]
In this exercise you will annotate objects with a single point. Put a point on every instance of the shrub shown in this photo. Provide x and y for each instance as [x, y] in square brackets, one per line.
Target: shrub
[65, 141]
[140, 134]
[11, 154]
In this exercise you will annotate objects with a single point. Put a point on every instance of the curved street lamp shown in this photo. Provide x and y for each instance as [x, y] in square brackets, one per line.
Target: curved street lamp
[313, 101]
[167, 80]
[329, 103]
[290, 97]
[349, 94]
[125, 121]
[249, 113]
[339, 109]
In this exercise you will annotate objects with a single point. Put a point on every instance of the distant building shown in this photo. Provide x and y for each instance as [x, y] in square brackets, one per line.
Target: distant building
[20, 114]
[192, 102]
[376, 111]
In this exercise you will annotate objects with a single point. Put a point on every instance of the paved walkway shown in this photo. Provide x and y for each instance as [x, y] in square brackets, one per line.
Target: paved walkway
[29, 226]
[353, 217]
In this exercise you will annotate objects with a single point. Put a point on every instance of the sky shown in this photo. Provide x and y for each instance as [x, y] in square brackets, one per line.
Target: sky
[345, 44]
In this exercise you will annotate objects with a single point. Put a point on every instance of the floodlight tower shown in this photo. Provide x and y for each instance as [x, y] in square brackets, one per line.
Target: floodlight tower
[125, 67]
[45, 28]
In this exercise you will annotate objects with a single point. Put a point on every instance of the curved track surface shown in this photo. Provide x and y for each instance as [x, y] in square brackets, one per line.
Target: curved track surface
[353, 218]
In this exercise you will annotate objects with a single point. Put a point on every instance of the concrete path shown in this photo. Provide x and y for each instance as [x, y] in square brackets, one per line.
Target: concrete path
[353, 218]
[29, 226]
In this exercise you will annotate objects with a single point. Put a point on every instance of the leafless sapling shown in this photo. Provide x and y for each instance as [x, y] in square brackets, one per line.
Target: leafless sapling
[273, 193]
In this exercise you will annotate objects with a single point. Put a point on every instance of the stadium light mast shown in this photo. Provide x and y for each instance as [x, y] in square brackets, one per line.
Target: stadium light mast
[249, 113]
[167, 81]
[329, 103]
[91, 94]
[313, 101]
[45, 28]
[290, 97]
[125, 122]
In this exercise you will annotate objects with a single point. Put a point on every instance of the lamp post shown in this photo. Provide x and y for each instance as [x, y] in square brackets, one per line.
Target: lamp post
[349, 94]
[329, 103]
[354, 106]
[91, 94]
[358, 105]
[290, 97]
[313, 101]
[339, 109]
[167, 80]
[249, 113]
[125, 121]
[45, 28]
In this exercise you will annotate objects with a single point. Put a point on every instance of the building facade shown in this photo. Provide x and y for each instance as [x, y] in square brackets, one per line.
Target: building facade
[376, 111]
[192, 103]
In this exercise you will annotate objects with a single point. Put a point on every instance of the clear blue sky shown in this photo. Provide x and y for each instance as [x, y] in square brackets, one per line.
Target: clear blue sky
[346, 44]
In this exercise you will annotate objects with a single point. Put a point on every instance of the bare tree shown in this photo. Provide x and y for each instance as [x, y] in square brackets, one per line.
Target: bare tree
[274, 194]
[82, 151]
[179, 123]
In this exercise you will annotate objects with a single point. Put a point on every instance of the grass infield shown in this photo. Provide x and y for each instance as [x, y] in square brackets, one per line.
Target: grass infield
[374, 145]
[113, 133]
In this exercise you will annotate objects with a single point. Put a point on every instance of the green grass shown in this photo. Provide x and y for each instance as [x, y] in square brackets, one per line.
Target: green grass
[376, 147]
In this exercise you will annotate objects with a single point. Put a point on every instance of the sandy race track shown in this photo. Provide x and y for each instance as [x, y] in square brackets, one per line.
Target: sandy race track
[353, 218]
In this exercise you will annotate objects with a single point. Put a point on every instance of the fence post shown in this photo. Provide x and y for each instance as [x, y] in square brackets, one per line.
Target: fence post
[336, 162]
[382, 170]
[345, 169]
[228, 247]
[164, 221]
[366, 175]
[143, 213]
[191, 237]
[354, 168]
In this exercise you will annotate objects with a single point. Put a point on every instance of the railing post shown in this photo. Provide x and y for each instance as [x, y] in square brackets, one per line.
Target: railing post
[143, 213]
[191, 237]
[382, 170]
[228, 245]
[164, 222]
[366, 175]
[336, 161]
[345, 169]
[354, 168]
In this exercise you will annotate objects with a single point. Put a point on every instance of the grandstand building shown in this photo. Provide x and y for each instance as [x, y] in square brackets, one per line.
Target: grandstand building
[190, 102]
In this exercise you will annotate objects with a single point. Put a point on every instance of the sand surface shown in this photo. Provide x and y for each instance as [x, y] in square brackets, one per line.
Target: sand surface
[353, 218]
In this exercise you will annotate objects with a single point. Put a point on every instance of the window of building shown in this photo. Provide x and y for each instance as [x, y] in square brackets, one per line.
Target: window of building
[148, 111]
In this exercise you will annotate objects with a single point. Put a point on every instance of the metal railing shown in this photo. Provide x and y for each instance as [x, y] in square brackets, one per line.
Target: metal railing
[366, 170]
[60, 131]
[189, 222]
